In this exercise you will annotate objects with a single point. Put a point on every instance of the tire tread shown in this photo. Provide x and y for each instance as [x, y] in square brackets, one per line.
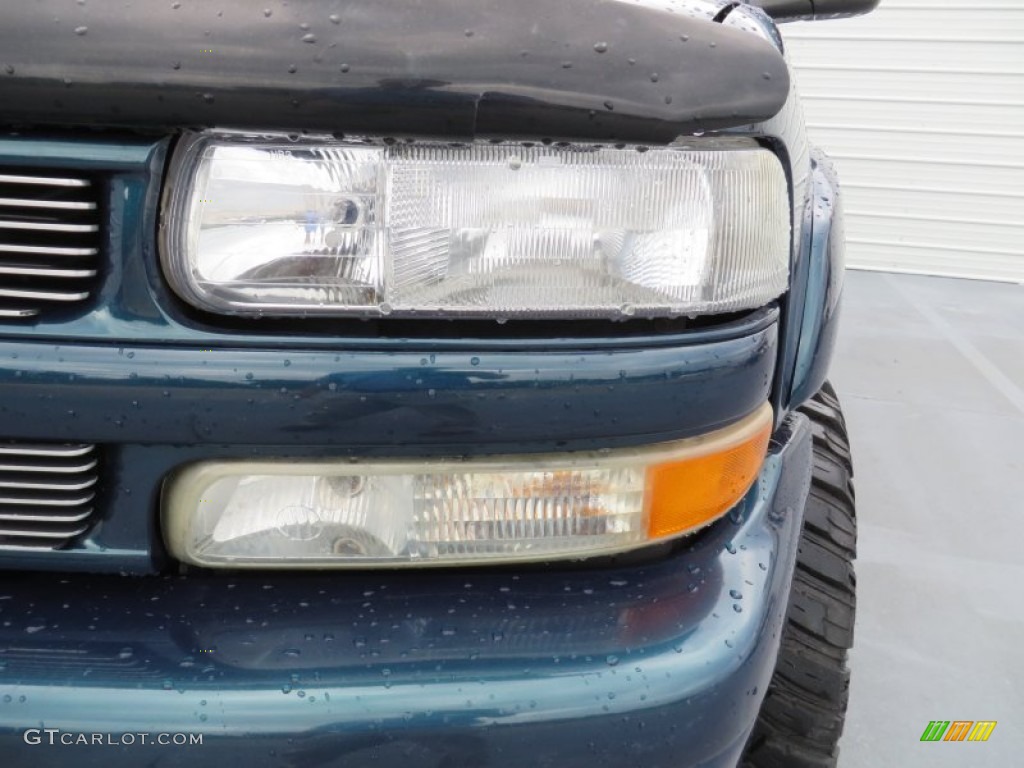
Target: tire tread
[804, 709]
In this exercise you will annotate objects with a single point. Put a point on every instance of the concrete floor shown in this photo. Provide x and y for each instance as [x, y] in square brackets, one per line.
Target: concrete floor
[931, 374]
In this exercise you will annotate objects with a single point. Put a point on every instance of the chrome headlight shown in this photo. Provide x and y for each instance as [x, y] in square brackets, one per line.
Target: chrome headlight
[275, 227]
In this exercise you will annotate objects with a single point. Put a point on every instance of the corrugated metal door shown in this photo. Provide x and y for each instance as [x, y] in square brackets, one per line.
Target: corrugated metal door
[921, 104]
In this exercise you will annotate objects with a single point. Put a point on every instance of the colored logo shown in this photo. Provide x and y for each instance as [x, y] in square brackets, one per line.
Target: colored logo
[958, 730]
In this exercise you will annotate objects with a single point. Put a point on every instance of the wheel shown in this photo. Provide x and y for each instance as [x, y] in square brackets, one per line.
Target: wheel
[804, 708]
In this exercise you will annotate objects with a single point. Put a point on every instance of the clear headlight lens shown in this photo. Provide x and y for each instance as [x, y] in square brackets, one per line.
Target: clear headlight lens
[336, 514]
[484, 230]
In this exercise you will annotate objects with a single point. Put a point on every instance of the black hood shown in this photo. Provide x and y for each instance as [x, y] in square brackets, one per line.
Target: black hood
[559, 69]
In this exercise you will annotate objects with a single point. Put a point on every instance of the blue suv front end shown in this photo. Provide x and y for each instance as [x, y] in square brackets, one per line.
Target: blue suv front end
[656, 656]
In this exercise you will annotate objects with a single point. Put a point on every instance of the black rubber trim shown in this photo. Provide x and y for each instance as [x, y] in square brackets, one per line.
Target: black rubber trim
[574, 69]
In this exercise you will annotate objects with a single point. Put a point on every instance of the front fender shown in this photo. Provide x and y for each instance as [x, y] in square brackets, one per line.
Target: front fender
[825, 262]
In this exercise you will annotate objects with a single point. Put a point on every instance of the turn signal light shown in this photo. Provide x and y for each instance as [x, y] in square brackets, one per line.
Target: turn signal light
[330, 513]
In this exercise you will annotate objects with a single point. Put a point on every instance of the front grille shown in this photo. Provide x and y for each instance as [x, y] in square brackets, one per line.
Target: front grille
[100, 661]
[46, 493]
[49, 241]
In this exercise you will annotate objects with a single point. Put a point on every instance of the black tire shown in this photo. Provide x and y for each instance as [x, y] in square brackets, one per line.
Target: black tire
[804, 709]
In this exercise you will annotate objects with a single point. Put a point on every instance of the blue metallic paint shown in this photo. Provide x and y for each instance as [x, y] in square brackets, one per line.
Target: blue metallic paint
[111, 152]
[159, 407]
[820, 316]
[660, 664]
[449, 401]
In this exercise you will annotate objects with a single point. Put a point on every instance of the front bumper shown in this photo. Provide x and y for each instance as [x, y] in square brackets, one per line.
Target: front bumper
[655, 664]
[154, 407]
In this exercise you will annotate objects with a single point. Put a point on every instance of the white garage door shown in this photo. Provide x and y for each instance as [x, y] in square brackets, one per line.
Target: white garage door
[921, 104]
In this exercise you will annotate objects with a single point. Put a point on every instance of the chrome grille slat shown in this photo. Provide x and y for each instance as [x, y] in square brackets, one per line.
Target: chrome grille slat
[50, 181]
[45, 272]
[6, 293]
[78, 485]
[58, 205]
[55, 468]
[46, 250]
[105, 660]
[75, 518]
[46, 493]
[38, 533]
[46, 501]
[50, 241]
[43, 226]
[42, 449]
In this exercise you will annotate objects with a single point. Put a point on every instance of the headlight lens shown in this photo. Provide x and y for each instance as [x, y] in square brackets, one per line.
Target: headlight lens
[335, 514]
[480, 230]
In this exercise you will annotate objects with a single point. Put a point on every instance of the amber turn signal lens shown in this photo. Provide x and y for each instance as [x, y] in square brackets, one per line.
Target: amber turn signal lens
[685, 495]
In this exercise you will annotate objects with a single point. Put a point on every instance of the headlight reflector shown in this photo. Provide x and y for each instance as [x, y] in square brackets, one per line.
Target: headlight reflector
[337, 514]
[478, 230]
